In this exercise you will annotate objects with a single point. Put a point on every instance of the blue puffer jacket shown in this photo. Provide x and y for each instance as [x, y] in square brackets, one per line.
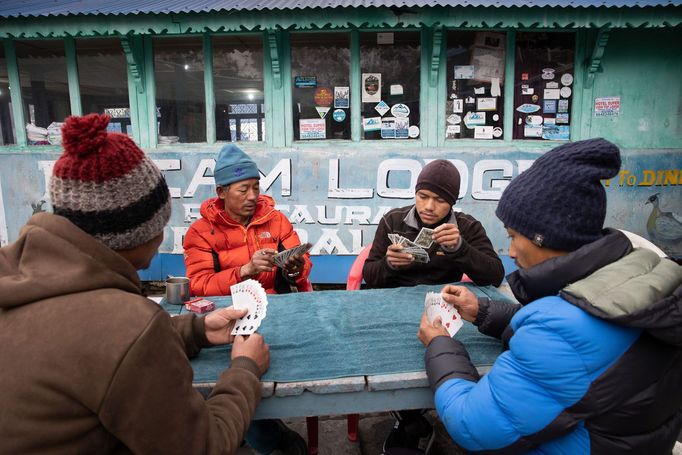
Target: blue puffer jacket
[594, 363]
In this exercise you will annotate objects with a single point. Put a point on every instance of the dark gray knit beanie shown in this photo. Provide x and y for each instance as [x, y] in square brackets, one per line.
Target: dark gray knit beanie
[442, 178]
[559, 202]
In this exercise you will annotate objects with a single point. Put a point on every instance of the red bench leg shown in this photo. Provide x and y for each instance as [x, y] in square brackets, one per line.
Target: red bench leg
[311, 425]
[353, 420]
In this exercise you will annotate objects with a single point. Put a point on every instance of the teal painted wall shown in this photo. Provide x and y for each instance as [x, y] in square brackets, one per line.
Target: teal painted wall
[643, 68]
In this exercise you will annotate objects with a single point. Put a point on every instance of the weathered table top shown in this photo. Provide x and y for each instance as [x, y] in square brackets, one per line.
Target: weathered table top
[398, 383]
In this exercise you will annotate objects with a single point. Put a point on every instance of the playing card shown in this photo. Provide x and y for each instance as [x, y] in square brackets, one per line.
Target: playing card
[420, 255]
[413, 250]
[424, 238]
[399, 240]
[281, 257]
[251, 296]
[436, 306]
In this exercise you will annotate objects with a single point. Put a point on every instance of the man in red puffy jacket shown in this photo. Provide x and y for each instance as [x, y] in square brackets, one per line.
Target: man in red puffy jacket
[239, 233]
[236, 239]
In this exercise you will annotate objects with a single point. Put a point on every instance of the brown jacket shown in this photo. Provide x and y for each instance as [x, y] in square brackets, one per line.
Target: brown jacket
[88, 365]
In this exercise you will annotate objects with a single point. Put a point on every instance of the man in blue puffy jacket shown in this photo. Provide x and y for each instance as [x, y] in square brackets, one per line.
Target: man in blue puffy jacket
[594, 352]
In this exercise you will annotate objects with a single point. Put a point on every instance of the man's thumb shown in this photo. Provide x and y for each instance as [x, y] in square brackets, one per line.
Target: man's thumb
[437, 323]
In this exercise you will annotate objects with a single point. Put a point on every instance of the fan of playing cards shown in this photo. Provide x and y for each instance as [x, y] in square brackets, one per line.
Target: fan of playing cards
[282, 256]
[251, 296]
[449, 316]
[417, 248]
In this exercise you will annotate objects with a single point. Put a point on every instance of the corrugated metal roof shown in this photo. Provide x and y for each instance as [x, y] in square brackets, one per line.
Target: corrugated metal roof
[27, 8]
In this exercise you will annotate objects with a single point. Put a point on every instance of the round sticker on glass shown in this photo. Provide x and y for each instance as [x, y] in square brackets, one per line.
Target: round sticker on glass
[339, 115]
[495, 118]
[567, 79]
[413, 131]
[565, 92]
[497, 132]
[400, 110]
[547, 73]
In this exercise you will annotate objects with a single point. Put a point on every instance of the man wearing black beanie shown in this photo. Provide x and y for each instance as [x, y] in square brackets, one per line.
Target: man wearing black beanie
[460, 244]
[594, 351]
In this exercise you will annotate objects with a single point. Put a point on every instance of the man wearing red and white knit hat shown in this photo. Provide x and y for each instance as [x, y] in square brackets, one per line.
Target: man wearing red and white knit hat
[89, 365]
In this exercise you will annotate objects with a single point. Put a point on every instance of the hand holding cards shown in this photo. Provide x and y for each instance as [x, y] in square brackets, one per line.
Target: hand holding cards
[435, 306]
[281, 257]
[418, 252]
[251, 296]
[447, 235]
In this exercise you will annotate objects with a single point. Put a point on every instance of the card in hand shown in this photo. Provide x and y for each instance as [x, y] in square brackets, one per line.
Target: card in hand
[419, 253]
[251, 296]
[410, 247]
[425, 238]
[421, 256]
[281, 257]
[449, 316]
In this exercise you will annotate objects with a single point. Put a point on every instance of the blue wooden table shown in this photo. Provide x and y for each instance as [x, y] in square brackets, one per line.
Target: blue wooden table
[344, 352]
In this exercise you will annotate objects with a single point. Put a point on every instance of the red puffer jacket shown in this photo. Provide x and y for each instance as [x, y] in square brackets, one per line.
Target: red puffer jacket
[217, 237]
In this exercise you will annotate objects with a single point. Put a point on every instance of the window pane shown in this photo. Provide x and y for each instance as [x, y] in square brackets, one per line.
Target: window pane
[179, 71]
[7, 135]
[475, 85]
[543, 85]
[44, 87]
[389, 63]
[103, 79]
[320, 68]
[238, 86]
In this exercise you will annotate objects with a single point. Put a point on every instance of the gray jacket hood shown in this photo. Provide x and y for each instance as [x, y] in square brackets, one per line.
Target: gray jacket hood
[640, 290]
[610, 280]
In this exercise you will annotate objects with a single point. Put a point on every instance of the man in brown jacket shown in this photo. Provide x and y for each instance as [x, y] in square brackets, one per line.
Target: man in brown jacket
[88, 364]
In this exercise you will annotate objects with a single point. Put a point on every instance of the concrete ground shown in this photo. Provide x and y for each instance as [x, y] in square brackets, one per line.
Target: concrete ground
[373, 429]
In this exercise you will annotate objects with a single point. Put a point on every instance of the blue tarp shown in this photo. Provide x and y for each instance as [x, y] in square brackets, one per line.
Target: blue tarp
[332, 334]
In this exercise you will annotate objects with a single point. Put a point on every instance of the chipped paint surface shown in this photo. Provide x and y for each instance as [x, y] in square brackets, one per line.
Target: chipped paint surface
[4, 238]
[336, 202]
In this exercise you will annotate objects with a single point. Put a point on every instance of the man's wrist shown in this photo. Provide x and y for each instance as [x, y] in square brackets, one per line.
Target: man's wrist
[245, 271]
[292, 275]
[454, 248]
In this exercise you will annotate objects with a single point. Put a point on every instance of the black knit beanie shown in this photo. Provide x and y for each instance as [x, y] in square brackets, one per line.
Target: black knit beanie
[441, 177]
[559, 202]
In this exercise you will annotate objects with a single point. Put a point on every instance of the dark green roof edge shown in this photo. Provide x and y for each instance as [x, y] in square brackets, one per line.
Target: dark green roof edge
[347, 18]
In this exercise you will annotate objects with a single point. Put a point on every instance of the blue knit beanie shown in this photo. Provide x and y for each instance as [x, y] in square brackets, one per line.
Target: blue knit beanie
[559, 202]
[233, 165]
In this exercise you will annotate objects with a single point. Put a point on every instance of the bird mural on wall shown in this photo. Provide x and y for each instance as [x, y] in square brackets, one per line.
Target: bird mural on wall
[664, 228]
